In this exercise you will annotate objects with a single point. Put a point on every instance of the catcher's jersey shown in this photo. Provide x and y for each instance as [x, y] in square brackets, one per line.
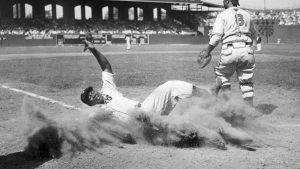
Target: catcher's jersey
[232, 25]
[113, 99]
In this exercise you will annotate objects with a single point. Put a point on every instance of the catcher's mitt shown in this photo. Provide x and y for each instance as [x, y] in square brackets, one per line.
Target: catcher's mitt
[203, 59]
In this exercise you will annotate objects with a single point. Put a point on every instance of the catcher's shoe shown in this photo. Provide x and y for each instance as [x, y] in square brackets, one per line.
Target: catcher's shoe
[217, 87]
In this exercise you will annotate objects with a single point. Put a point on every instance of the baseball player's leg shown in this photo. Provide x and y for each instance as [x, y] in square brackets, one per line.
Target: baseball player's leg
[128, 46]
[215, 89]
[245, 75]
[223, 73]
[234, 135]
[165, 97]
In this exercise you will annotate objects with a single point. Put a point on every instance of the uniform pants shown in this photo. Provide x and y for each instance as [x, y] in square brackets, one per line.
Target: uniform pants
[240, 60]
[164, 98]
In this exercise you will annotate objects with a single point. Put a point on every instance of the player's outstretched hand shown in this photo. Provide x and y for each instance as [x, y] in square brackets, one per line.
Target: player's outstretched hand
[87, 45]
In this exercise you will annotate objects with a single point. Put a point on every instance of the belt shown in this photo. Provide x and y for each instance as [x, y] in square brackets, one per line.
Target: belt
[236, 45]
[231, 44]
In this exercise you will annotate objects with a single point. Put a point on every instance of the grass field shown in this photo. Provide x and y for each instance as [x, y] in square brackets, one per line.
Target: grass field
[61, 73]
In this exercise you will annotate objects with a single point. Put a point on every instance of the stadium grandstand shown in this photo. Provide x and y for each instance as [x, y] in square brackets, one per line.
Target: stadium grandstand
[110, 21]
[19, 17]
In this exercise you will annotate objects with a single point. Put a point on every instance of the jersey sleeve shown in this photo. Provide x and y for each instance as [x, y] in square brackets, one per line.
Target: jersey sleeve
[217, 32]
[108, 82]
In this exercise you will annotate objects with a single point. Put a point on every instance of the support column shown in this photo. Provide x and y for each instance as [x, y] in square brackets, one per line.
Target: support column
[168, 12]
[7, 11]
[135, 13]
[53, 10]
[22, 6]
[123, 13]
[38, 10]
[1, 9]
[96, 12]
[68, 12]
[148, 14]
[110, 13]
[159, 13]
[82, 6]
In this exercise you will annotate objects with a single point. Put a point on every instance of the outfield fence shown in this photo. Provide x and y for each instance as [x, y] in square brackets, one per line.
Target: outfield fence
[105, 39]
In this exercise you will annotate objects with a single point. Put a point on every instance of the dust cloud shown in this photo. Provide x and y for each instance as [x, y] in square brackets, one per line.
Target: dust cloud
[70, 133]
[194, 122]
[201, 121]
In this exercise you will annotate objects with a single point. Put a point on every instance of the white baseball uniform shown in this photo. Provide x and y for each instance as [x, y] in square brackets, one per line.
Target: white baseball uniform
[235, 29]
[128, 39]
[162, 100]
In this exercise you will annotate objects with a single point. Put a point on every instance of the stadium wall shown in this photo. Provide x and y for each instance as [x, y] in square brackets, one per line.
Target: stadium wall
[20, 40]
[177, 39]
[286, 34]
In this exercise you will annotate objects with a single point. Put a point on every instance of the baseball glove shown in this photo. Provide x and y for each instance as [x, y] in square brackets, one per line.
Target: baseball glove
[87, 45]
[203, 59]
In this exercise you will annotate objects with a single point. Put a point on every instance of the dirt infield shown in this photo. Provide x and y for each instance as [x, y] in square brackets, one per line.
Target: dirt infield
[61, 74]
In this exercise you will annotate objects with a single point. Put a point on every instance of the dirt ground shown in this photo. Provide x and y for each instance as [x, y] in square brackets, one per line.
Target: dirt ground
[278, 138]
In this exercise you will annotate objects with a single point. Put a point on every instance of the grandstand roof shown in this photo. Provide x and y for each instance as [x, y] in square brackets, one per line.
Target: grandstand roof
[208, 4]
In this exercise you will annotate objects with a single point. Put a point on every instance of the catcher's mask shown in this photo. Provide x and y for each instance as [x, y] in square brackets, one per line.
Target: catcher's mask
[85, 96]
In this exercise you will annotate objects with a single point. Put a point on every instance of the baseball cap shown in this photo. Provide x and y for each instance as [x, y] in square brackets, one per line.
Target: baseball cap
[235, 2]
[85, 95]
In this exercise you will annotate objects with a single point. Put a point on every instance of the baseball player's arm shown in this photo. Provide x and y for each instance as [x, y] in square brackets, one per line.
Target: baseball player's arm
[217, 32]
[209, 49]
[216, 35]
[102, 60]
[254, 34]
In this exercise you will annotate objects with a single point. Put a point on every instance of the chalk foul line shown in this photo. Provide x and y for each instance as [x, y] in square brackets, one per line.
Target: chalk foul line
[117, 114]
[41, 97]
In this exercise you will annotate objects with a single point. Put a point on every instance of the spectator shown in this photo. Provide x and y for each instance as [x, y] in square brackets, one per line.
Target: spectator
[258, 41]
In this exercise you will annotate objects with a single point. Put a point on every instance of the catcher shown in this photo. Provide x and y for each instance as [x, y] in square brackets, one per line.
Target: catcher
[235, 29]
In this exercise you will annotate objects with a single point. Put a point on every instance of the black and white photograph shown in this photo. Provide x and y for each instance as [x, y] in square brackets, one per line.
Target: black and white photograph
[149, 84]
